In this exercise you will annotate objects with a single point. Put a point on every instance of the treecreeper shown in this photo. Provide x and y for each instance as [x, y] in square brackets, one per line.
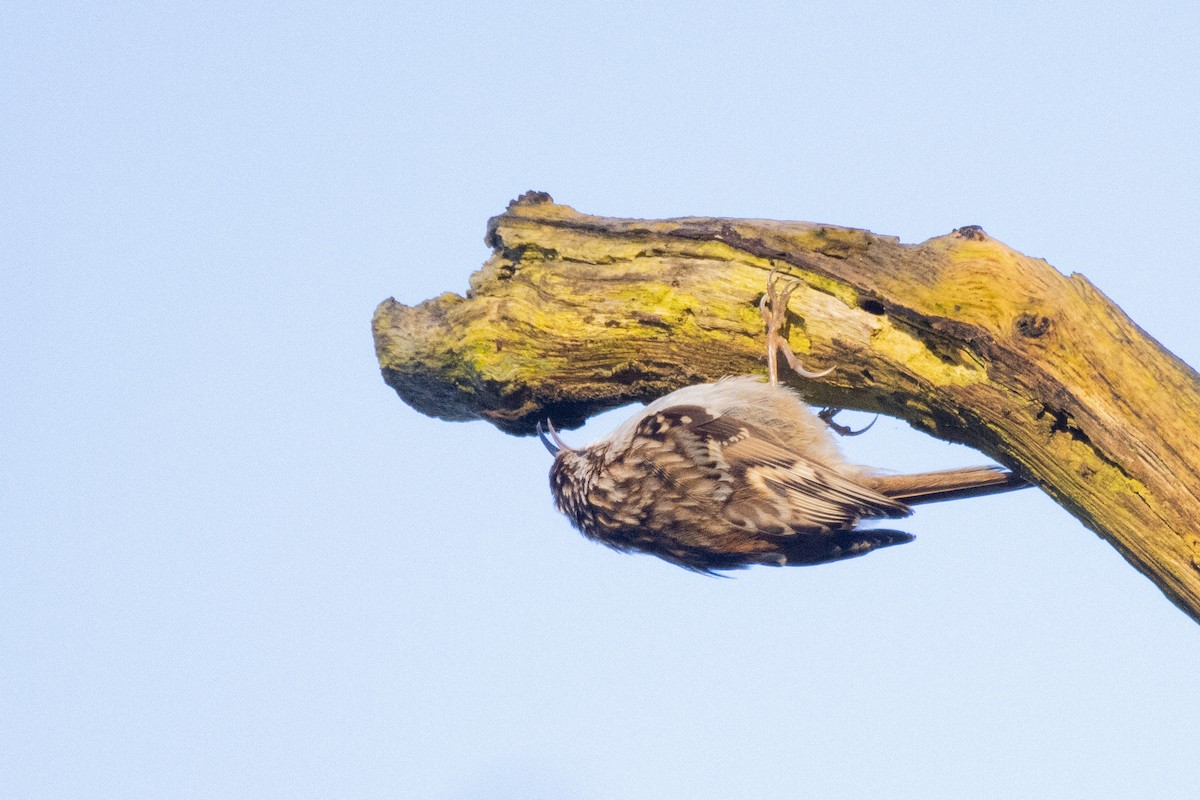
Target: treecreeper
[724, 475]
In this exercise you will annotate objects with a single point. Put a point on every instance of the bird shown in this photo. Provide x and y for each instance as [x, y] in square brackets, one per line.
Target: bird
[740, 472]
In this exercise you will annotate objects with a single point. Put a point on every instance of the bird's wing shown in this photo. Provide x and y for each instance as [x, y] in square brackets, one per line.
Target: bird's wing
[760, 483]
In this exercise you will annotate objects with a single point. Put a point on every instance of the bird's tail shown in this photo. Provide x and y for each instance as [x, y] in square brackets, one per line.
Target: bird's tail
[950, 484]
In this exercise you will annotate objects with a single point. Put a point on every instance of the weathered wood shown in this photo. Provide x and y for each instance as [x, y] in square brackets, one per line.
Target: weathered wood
[961, 336]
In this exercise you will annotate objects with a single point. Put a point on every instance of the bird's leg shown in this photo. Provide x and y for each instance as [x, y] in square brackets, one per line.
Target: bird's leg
[827, 414]
[769, 307]
[773, 308]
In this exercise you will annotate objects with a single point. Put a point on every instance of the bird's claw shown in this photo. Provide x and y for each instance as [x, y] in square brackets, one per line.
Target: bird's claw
[773, 307]
[828, 413]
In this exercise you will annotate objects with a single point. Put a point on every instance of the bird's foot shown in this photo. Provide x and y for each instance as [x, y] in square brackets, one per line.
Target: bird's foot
[827, 414]
[773, 307]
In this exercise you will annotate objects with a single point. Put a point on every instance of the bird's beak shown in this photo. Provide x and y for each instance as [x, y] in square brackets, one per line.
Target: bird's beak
[552, 441]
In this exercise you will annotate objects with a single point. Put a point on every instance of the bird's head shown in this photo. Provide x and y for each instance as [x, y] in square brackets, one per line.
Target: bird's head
[572, 474]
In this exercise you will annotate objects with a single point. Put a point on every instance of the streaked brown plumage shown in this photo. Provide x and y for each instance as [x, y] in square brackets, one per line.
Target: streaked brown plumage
[738, 472]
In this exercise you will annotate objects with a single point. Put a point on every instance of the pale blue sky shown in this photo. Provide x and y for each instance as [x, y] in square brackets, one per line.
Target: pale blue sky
[234, 564]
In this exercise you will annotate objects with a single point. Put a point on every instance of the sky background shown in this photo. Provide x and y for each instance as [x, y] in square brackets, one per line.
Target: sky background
[234, 564]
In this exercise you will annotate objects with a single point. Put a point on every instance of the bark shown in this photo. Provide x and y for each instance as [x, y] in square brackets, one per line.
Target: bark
[961, 336]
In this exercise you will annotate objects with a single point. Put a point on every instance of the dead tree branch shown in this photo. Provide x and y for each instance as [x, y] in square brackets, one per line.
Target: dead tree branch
[961, 336]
